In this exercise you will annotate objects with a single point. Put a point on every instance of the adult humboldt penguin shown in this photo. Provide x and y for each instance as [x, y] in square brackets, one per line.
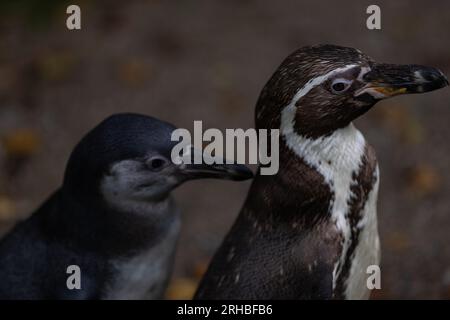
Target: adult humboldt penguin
[310, 231]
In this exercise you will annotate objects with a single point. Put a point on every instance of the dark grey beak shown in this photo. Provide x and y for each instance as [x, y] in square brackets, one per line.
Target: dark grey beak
[387, 80]
[237, 172]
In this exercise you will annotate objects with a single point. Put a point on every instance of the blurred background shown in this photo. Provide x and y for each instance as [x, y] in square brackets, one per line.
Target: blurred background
[208, 60]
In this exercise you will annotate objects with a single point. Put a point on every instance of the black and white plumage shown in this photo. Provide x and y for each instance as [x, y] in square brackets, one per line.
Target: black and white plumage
[113, 217]
[310, 231]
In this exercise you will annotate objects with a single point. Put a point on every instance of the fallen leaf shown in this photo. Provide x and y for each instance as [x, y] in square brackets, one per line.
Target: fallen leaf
[133, 72]
[398, 241]
[7, 209]
[200, 269]
[21, 142]
[423, 180]
[56, 66]
[181, 289]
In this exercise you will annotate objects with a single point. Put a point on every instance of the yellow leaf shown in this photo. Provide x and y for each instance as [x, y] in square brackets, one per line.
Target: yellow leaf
[181, 289]
[56, 66]
[200, 269]
[7, 209]
[133, 72]
[423, 180]
[21, 142]
[398, 241]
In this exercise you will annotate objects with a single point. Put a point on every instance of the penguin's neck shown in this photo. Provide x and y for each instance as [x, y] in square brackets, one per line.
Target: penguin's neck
[314, 180]
[112, 231]
[335, 156]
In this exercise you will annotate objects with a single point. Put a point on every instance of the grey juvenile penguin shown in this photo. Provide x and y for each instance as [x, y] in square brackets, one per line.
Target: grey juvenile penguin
[113, 217]
[310, 231]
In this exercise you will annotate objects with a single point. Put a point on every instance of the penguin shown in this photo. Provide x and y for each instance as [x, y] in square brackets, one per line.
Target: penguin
[110, 230]
[310, 231]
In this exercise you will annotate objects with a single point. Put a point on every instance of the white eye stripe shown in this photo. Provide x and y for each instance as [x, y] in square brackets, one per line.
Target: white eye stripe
[343, 80]
[318, 81]
[312, 83]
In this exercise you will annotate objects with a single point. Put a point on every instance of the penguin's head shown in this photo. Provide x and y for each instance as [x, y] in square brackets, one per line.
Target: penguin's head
[322, 88]
[127, 159]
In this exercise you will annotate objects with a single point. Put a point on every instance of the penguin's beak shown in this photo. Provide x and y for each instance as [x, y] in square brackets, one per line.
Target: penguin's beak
[236, 172]
[209, 168]
[388, 80]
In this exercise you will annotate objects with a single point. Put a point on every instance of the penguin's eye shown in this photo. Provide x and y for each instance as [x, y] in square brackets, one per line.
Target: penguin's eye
[156, 163]
[340, 85]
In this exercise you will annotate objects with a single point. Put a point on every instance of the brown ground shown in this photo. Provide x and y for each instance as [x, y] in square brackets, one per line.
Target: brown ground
[208, 60]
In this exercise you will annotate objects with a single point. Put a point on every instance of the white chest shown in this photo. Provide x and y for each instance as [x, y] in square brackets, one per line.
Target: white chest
[145, 276]
[337, 158]
[367, 251]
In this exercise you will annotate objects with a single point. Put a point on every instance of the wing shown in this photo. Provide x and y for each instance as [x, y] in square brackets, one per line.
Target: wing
[34, 266]
[277, 249]
[22, 254]
[271, 264]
